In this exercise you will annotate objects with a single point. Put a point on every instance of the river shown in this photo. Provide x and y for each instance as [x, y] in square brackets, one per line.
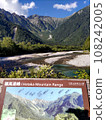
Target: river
[66, 62]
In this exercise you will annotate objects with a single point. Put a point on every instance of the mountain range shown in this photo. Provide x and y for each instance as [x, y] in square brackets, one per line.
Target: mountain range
[72, 30]
[75, 30]
[41, 109]
[16, 32]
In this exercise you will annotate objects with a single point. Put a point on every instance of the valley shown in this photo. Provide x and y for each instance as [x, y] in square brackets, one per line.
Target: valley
[42, 40]
[74, 28]
[40, 109]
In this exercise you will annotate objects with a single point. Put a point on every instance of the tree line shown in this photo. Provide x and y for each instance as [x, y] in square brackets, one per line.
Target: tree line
[9, 48]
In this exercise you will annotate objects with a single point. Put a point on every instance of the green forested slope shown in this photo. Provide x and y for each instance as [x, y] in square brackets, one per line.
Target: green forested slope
[75, 30]
[16, 32]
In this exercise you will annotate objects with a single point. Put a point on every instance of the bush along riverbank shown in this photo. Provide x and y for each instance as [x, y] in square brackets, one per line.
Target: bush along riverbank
[45, 71]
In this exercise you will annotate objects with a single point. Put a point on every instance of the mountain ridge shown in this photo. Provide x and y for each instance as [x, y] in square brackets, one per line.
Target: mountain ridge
[38, 109]
[72, 30]
[75, 30]
[7, 29]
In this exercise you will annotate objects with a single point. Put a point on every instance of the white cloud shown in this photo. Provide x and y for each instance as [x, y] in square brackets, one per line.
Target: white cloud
[28, 6]
[85, 2]
[14, 1]
[67, 7]
[14, 6]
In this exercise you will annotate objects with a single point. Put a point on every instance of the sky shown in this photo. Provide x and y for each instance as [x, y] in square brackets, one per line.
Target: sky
[52, 8]
[45, 93]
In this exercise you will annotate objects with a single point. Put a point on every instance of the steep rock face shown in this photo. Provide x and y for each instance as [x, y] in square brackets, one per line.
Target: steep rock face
[46, 25]
[45, 22]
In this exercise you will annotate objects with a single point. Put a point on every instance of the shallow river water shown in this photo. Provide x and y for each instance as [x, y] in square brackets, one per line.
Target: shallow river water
[57, 60]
